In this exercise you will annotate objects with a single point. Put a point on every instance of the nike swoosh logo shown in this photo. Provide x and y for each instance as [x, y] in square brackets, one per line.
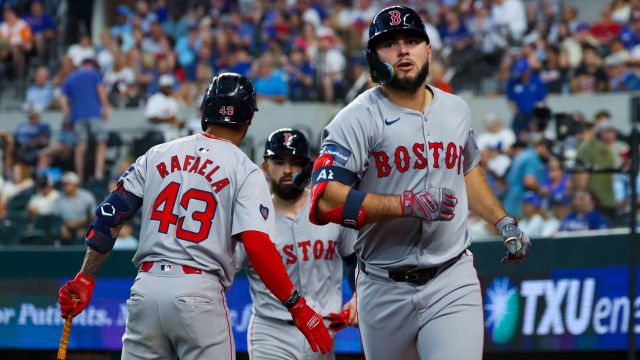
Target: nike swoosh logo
[390, 122]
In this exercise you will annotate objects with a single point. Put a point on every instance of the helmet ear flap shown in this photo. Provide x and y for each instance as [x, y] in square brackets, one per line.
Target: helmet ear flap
[381, 73]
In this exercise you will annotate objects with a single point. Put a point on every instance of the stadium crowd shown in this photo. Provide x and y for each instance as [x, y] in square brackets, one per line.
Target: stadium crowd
[160, 56]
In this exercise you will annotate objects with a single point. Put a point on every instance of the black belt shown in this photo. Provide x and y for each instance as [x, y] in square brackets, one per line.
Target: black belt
[414, 276]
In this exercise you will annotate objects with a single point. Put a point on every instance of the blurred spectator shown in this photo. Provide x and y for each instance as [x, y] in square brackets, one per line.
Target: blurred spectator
[82, 50]
[240, 61]
[437, 77]
[162, 110]
[147, 17]
[590, 76]
[531, 222]
[609, 136]
[487, 37]
[511, 15]
[75, 206]
[45, 200]
[270, 83]
[15, 41]
[300, 76]
[153, 43]
[31, 136]
[621, 78]
[560, 209]
[524, 91]
[330, 64]
[40, 94]
[187, 49]
[584, 215]
[630, 34]
[107, 51]
[84, 102]
[601, 117]
[497, 137]
[19, 180]
[606, 28]
[60, 148]
[558, 184]
[123, 26]
[457, 40]
[126, 240]
[526, 173]
[43, 29]
[309, 13]
[555, 70]
[593, 154]
[120, 83]
[621, 11]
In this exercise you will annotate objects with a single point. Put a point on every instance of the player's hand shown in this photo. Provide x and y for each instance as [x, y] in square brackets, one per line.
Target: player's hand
[432, 204]
[517, 242]
[339, 320]
[353, 310]
[74, 295]
[311, 326]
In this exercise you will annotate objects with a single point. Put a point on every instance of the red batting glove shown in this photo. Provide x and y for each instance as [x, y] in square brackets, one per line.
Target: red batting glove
[311, 325]
[338, 320]
[74, 295]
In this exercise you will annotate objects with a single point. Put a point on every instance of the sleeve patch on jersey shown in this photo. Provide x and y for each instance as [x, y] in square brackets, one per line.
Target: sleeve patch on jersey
[264, 211]
[124, 175]
[340, 154]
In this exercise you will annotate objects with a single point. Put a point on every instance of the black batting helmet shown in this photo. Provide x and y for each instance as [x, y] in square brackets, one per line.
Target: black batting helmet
[287, 142]
[389, 19]
[229, 99]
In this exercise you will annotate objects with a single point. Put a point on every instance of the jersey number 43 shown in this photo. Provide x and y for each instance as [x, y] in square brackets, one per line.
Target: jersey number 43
[164, 213]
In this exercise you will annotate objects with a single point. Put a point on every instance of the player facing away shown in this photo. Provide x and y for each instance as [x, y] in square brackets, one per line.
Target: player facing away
[312, 255]
[199, 195]
[409, 148]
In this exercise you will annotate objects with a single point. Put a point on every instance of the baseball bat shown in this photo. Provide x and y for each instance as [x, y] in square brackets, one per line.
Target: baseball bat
[64, 340]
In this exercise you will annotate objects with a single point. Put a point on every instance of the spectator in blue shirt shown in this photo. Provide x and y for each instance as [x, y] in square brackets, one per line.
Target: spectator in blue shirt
[527, 172]
[31, 136]
[43, 28]
[300, 75]
[40, 93]
[84, 102]
[524, 90]
[584, 215]
[271, 83]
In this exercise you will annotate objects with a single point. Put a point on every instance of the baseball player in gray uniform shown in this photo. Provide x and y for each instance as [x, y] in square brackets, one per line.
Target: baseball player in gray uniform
[400, 163]
[199, 196]
[312, 255]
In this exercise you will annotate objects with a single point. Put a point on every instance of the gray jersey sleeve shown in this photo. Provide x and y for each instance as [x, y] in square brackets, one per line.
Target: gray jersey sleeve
[350, 138]
[346, 240]
[253, 208]
[471, 153]
[133, 179]
[240, 257]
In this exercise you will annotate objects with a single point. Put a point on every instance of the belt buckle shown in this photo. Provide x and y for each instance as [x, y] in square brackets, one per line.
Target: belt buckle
[419, 277]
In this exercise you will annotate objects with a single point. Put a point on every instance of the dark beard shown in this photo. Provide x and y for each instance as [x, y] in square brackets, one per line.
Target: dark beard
[285, 192]
[411, 85]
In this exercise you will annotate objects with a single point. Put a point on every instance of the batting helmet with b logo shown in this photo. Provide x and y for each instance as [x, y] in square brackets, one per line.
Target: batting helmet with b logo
[393, 18]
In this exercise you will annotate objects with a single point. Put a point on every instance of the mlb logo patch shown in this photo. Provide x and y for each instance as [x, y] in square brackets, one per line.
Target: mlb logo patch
[203, 150]
[264, 211]
[166, 267]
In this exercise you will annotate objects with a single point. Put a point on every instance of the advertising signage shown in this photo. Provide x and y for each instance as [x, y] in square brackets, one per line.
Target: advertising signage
[570, 309]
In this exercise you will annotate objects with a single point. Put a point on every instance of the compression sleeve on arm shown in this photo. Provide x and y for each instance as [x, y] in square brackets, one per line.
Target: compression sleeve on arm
[268, 264]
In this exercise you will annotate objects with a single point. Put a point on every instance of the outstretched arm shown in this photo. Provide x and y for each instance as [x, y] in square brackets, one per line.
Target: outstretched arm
[482, 200]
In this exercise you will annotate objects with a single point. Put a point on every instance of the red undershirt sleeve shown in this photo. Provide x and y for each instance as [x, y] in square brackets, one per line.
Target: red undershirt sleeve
[268, 264]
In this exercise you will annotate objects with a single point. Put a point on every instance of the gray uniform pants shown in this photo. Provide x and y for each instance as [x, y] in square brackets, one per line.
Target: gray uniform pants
[272, 339]
[176, 315]
[441, 320]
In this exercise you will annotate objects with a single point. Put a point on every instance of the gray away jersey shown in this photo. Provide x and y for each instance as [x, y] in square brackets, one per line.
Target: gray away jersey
[312, 255]
[198, 191]
[393, 149]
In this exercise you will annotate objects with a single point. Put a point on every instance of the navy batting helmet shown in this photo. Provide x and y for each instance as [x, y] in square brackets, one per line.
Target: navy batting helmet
[389, 19]
[229, 99]
[287, 142]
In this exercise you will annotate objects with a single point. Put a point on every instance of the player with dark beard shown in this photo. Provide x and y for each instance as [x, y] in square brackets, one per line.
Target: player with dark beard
[313, 256]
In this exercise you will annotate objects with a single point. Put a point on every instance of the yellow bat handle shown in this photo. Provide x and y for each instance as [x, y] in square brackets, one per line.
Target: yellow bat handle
[64, 340]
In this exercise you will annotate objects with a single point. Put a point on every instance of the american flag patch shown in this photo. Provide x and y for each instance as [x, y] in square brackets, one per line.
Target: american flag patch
[167, 267]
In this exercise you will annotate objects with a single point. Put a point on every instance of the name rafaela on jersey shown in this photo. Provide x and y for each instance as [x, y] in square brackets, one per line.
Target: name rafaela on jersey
[402, 159]
[192, 164]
